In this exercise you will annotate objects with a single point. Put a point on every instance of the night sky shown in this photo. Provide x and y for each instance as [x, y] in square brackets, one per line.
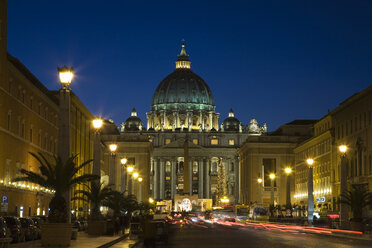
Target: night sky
[275, 61]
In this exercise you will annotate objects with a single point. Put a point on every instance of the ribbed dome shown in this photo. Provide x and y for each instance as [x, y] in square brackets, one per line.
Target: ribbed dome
[231, 123]
[183, 89]
[133, 123]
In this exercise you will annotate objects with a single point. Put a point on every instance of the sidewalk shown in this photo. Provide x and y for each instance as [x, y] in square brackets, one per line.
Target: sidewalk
[83, 241]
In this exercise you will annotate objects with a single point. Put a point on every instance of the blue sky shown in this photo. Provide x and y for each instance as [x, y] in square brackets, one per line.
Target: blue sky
[275, 61]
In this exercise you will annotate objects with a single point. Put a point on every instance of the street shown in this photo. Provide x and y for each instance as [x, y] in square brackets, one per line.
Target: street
[213, 235]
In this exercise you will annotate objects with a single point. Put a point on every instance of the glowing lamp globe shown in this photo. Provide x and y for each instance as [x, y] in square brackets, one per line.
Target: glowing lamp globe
[135, 175]
[113, 147]
[123, 161]
[342, 148]
[97, 123]
[288, 170]
[310, 161]
[272, 176]
[65, 75]
[259, 180]
[130, 169]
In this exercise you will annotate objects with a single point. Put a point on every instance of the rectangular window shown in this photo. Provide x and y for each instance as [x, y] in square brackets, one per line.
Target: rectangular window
[269, 167]
[39, 139]
[31, 134]
[347, 129]
[9, 120]
[31, 103]
[19, 126]
[351, 126]
[167, 141]
[39, 109]
[356, 124]
[23, 129]
[231, 142]
[214, 141]
[195, 141]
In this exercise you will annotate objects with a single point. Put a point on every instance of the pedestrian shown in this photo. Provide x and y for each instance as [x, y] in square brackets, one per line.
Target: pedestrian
[116, 226]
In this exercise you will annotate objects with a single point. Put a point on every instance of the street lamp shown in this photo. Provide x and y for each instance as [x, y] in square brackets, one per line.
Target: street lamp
[64, 130]
[151, 200]
[259, 180]
[97, 124]
[135, 175]
[272, 178]
[65, 76]
[113, 148]
[310, 196]
[344, 209]
[288, 171]
[130, 169]
[123, 162]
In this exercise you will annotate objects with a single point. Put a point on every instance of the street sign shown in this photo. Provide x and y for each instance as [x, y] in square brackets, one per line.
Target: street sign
[320, 199]
[4, 199]
[4, 203]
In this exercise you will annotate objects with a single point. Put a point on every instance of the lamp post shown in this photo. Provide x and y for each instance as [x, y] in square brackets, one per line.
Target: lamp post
[272, 178]
[113, 148]
[259, 191]
[310, 196]
[130, 170]
[97, 124]
[344, 209]
[140, 179]
[64, 131]
[288, 171]
[123, 162]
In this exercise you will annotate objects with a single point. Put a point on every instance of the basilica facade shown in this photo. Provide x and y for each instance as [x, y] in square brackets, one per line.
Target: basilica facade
[183, 114]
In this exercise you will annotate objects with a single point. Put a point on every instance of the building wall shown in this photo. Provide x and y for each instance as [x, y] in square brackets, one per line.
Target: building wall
[321, 148]
[353, 128]
[27, 124]
[254, 153]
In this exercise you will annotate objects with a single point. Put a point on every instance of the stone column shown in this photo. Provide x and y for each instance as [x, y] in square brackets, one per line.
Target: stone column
[237, 179]
[207, 179]
[310, 196]
[201, 181]
[189, 120]
[162, 181]
[190, 174]
[344, 209]
[210, 120]
[148, 120]
[173, 178]
[156, 179]
[123, 181]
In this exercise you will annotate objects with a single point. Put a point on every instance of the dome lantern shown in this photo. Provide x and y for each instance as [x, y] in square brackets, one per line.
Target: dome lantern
[183, 61]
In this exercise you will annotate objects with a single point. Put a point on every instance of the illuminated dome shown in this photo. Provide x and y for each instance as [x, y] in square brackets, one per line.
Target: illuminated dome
[231, 123]
[133, 123]
[183, 89]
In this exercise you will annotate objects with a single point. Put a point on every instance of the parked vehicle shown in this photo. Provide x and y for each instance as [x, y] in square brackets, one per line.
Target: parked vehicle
[16, 231]
[4, 231]
[29, 228]
[77, 225]
[37, 222]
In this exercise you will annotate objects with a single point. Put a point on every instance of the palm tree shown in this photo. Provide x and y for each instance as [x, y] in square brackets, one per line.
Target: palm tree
[119, 202]
[59, 177]
[358, 198]
[96, 194]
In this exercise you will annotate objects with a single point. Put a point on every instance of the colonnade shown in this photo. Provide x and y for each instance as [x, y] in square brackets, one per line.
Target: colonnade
[204, 171]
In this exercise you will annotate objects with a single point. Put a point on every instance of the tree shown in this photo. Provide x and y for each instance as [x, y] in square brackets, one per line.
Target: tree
[221, 182]
[96, 195]
[358, 198]
[59, 177]
[119, 202]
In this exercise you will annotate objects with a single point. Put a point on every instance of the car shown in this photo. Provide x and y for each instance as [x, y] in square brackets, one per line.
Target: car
[29, 228]
[77, 225]
[16, 231]
[4, 231]
[37, 222]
